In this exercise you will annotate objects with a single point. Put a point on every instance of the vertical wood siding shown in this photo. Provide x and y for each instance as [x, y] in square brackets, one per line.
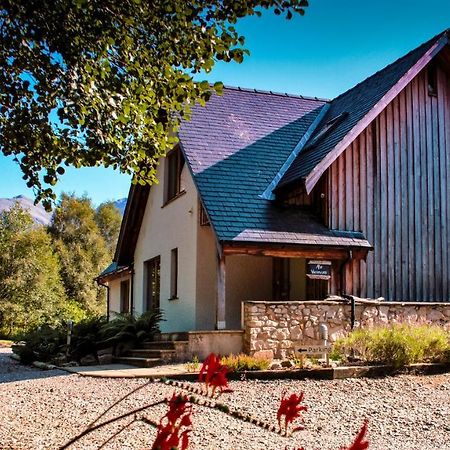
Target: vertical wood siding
[393, 184]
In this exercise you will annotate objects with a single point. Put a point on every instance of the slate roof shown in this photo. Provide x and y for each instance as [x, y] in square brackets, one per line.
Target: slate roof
[112, 269]
[357, 102]
[235, 146]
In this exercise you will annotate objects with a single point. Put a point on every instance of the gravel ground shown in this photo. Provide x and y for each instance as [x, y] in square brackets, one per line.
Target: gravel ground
[45, 409]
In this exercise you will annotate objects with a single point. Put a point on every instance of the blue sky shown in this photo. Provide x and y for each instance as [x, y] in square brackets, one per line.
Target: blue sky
[324, 53]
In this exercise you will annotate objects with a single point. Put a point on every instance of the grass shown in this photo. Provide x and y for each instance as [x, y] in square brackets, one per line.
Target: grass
[396, 345]
[237, 363]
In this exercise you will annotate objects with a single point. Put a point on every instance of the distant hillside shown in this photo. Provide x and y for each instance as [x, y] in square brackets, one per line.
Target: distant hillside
[120, 204]
[38, 213]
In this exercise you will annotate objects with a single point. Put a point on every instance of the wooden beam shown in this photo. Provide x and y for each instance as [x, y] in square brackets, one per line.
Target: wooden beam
[282, 252]
[221, 294]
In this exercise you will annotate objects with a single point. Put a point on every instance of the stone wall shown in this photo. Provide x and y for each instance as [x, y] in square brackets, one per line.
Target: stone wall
[277, 328]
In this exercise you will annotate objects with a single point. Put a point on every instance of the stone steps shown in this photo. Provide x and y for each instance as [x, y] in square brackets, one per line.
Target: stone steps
[137, 361]
[151, 354]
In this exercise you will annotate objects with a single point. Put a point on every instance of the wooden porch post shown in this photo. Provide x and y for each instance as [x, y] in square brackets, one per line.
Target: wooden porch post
[220, 305]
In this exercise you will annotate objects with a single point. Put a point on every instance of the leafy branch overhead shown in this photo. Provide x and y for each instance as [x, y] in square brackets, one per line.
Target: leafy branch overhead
[85, 83]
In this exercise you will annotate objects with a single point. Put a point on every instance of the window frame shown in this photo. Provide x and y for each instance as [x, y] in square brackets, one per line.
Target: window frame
[174, 274]
[152, 287]
[174, 163]
[125, 296]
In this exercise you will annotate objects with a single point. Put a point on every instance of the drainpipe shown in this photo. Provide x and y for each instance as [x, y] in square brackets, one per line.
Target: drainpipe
[343, 293]
[342, 271]
[132, 291]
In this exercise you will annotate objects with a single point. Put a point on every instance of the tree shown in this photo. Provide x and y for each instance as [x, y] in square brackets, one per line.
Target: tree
[82, 250]
[89, 82]
[31, 292]
[109, 218]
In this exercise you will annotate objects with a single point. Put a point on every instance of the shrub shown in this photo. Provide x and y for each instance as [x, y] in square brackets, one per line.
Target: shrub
[397, 345]
[42, 343]
[237, 363]
[89, 335]
[129, 330]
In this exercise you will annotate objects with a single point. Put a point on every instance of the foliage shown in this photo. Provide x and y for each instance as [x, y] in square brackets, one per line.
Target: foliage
[397, 345]
[192, 366]
[128, 329]
[238, 363]
[82, 250]
[86, 336]
[173, 431]
[109, 218]
[291, 409]
[214, 375]
[41, 344]
[31, 292]
[85, 83]
[91, 334]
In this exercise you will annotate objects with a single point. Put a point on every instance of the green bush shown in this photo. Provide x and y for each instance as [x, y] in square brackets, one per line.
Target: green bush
[237, 363]
[41, 344]
[130, 330]
[397, 345]
[47, 342]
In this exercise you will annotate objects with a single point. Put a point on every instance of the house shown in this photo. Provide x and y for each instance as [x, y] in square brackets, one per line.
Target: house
[280, 197]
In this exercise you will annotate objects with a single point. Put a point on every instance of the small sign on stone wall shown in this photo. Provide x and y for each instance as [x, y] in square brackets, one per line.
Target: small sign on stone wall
[318, 270]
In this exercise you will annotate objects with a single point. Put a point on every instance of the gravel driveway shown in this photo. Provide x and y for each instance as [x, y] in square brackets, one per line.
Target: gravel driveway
[45, 409]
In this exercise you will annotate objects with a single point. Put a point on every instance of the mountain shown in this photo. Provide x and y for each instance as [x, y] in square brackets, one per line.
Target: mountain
[37, 212]
[120, 204]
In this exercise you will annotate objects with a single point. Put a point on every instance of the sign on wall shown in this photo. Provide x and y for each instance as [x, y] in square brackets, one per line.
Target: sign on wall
[318, 270]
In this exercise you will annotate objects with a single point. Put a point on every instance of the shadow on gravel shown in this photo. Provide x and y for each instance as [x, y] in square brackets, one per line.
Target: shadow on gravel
[11, 370]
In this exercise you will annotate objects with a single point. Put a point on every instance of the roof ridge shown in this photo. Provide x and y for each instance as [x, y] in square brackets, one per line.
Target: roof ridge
[438, 36]
[279, 94]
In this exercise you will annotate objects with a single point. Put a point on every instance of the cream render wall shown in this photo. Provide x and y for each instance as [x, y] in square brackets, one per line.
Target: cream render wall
[247, 277]
[164, 228]
[114, 294]
[206, 278]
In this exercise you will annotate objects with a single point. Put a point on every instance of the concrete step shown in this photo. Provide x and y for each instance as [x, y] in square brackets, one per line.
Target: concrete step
[165, 354]
[138, 362]
[161, 345]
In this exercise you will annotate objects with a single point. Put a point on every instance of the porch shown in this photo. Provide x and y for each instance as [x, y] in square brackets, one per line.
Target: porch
[278, 274]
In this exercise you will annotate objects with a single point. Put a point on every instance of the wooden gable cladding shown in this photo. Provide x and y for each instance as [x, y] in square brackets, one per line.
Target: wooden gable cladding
[393, 184]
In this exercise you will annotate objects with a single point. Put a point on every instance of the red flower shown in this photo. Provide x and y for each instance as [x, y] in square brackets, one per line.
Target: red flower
[214, 374]
[170, 436]
[291, 409]
[359, 443]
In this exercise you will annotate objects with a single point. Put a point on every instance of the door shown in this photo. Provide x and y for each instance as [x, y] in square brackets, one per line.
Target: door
[281, 279]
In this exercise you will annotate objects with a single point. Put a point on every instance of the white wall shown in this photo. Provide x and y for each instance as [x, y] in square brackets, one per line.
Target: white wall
[165, 228]
[114, 294]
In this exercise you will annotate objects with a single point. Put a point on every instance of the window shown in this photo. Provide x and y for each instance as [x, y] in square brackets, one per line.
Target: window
[152, 273]
[174, 274]
[174, 164]
[203, 217]
[332, 123]
[125, 296]
[432, 80]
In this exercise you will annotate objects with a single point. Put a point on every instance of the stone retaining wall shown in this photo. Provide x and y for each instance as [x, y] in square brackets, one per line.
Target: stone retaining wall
[276, 328]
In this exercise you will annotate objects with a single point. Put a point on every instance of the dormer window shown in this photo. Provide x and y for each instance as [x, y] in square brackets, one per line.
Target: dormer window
[174, 167]
[432, 80]
[332, 123]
